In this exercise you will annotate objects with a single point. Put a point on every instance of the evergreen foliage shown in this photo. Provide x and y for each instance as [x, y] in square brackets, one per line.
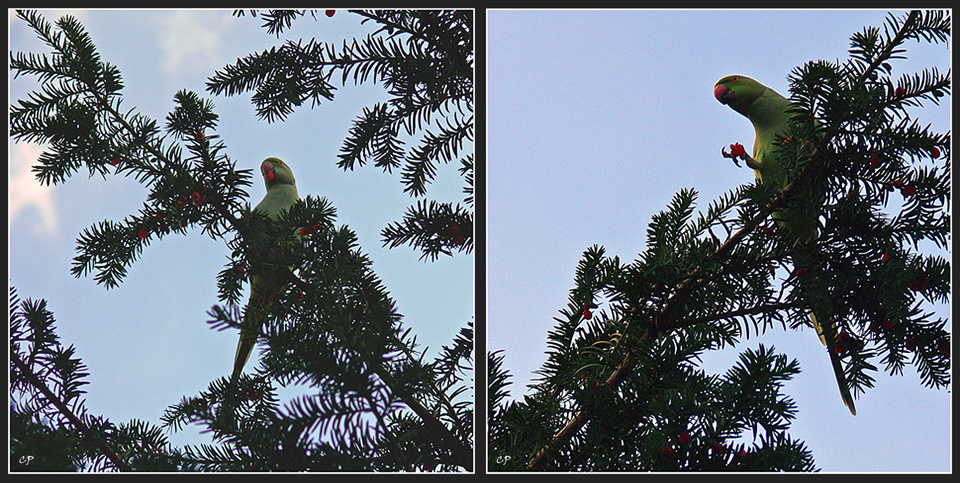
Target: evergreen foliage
[370, 401]
[621, 388]
[424, 58]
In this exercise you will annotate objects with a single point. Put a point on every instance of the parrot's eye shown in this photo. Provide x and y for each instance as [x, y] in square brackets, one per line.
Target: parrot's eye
[734, 79]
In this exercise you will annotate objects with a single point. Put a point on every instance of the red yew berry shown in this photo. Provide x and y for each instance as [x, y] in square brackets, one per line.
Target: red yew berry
[911, 344]
[897, 184]
[908, 190]
[934, 152]
[667, 451]
[884, 258]
[800, 272]
[718, 448]
[240, 270]
[455, 234]
[918, 283]
[586, 313]
[683, 437]
[874, 161]
[142, 234]
[330, 13]
[900, 92]
[116, 160]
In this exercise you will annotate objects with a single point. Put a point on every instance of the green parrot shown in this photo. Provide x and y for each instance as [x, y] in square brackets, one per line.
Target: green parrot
[768, 112]
[281, 195]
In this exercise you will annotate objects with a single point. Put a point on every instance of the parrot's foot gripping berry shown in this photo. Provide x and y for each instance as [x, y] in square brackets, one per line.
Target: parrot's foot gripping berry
[737, 152]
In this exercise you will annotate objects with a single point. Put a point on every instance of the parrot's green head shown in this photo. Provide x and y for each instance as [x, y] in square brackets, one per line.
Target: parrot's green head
[275, 172]
[738, 92]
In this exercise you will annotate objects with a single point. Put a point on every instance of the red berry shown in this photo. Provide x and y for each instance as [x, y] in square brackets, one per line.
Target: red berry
[918, 283]
[897, 184]
[586, 312]
[800, 272]
[142, 233]
[737, 149]
[908, 190]
[900, 91]
[934, 152]
[911, 344]
[116, 160]
[240, 270]
[718, 448]
[884, 258]
[945, 348]
[683, 437]
[261, 300]
[667, 451]
[455, 234]
[767, 230]
[330, 13]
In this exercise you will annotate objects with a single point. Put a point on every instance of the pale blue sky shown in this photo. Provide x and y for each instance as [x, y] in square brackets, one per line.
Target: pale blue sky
[147, 343]
[595, 120]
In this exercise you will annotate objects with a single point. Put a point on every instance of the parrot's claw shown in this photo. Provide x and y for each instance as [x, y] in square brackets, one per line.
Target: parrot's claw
[737, 153]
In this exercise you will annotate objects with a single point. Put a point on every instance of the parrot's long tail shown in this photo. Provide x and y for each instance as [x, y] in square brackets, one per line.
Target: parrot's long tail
[825, 337]
[248, 339]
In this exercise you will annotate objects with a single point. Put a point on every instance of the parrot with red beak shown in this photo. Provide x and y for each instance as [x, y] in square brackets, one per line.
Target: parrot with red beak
[769, 112]
[281, 195]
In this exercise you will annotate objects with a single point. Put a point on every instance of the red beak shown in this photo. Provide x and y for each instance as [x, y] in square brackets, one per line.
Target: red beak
[724, 94]
[268, 170]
